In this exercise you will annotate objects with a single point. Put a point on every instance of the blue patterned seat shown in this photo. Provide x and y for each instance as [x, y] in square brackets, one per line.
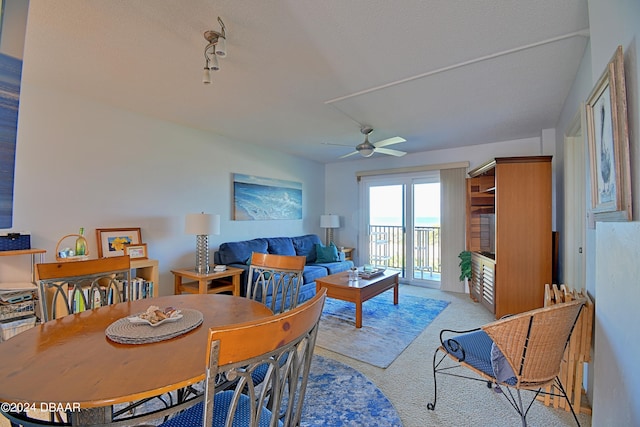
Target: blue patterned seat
[222, 401]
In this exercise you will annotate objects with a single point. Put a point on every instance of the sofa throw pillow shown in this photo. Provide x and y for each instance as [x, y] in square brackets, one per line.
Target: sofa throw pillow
[326, 253]
[306, 246]
[281, 246]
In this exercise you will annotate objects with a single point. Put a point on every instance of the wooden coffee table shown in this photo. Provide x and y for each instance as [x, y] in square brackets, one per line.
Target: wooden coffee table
[338, 287]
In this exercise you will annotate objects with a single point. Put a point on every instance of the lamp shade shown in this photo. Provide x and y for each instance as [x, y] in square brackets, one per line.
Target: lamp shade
[202, 224]
[329, 221]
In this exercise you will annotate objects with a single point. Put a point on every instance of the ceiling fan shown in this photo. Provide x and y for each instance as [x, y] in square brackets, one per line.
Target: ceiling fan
[366, 148]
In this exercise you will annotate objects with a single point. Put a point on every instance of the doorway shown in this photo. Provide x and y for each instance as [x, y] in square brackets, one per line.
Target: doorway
[575, 203]
[402, 225]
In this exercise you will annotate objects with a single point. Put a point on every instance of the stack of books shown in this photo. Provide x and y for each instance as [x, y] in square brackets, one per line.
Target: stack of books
[219, 268]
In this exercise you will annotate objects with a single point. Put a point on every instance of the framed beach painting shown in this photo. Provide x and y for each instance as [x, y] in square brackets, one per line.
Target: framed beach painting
[608, 138]
[258, 198]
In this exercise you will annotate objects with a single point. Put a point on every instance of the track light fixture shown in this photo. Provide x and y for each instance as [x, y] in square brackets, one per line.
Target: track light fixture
[216, 48]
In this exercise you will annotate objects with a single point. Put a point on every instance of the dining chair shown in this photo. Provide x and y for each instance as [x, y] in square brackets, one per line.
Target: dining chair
[519, 352]
[234, 353]
[69, 287]
[275, 280]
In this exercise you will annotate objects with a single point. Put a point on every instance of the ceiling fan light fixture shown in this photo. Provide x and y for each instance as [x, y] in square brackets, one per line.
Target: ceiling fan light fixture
[365, 149]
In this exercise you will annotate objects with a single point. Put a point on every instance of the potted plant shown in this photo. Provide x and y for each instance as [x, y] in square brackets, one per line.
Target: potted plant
[465, 268]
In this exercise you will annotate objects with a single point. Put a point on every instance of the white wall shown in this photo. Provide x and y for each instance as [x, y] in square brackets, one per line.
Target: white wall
[614, 278]
[342, 187]
[85, 164]
[617, 377]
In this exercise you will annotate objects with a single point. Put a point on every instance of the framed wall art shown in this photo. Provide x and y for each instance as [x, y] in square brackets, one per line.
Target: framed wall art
[608, 137]
[138, 251]
[112, 241]
[10, 81]
[256, 198]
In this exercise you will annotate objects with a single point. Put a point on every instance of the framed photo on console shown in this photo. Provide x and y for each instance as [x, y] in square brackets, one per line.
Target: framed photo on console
[608, 137]
[112, 241]
[138, 251]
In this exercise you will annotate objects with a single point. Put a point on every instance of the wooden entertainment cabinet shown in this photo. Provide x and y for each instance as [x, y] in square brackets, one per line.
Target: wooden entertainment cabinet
[509, 233]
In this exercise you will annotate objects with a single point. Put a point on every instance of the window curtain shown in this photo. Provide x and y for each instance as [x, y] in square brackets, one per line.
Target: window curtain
[453, 187]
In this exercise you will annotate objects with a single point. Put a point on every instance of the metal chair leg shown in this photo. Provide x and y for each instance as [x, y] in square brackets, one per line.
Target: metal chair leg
[575, 417]
[523, 414]
[432, 406]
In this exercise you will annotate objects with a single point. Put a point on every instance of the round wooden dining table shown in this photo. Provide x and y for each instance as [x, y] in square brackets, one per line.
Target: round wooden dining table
[71, 361]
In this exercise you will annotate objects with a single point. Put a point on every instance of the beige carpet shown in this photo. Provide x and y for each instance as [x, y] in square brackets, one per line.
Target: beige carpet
[408, 381]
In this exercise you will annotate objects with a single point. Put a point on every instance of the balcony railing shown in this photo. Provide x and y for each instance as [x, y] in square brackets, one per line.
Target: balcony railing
[387, 248]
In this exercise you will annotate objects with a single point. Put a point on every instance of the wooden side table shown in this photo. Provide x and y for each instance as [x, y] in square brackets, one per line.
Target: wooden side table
[210, 283]
[348, 254]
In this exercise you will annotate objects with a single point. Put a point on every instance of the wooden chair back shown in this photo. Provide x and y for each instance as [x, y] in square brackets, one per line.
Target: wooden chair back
[68, 287]
[283, 342]
[275, 280]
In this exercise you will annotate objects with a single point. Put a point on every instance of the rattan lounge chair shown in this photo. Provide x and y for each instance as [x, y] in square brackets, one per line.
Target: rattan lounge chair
[520, 352]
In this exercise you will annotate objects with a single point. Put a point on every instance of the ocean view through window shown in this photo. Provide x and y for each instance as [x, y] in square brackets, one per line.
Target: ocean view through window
[403, 226]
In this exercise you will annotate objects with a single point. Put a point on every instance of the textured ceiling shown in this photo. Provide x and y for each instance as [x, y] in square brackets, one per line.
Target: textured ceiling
[303, 74]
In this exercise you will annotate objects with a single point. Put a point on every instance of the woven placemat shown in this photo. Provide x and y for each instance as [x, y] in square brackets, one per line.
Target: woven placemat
[124, 332]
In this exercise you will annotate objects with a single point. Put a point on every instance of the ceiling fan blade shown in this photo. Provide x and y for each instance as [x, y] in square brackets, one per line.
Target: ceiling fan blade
[337, 145]
[390, 152]
[389, 141]
[347, 155]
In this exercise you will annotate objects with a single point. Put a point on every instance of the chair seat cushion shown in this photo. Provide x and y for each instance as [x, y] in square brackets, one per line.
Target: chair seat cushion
[192, 417]
[475, 349]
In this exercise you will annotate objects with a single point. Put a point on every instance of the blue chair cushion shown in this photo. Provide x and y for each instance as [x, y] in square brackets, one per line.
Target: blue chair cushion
[501, 368]
[474, 348]
[192, 417]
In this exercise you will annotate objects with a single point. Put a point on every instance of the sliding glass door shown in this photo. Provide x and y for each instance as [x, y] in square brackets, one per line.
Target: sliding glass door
[402, 225]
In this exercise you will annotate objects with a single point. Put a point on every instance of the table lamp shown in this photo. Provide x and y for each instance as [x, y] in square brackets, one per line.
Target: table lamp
[329, 222]
[202, 225]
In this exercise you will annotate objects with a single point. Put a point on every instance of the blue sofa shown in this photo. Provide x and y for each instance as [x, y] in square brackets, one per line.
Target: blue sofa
[238, 254]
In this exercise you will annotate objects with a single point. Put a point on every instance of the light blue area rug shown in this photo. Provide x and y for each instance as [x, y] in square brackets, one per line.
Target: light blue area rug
[338, 395]
[386, 331]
